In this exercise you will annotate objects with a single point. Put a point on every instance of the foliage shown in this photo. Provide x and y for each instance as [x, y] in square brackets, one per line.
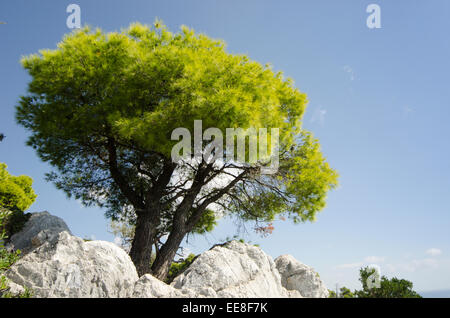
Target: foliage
[178, 267]
[7, 259]
[27, 293]
[344, 292]
[16, 192]
[247, 242]
[206, 223]
[16, 222]
[389, 288]
[123, 230]
[101, 109]
[16, 195]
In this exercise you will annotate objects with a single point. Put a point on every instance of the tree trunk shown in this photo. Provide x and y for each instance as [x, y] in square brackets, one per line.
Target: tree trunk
[141, 247]
[181, 226]
[161, 265]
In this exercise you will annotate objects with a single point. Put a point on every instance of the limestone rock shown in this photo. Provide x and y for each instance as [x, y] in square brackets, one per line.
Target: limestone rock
[234, 270]
[150, 287]
[57, 264]
[41, 226]
[15, 290]
[66, 266]
[300, 277]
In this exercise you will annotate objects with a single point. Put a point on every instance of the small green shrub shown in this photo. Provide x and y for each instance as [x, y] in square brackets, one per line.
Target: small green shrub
[178, 267]
[16, 196]
[7, 259]
[6, 294]
[388, 288]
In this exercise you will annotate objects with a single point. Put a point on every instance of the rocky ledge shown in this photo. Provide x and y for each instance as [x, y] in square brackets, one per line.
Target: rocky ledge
[57, 264]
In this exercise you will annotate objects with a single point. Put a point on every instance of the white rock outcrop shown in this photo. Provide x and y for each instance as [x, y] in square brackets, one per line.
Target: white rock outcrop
[41, 226]
[69, 267]
[300, 277]
[58, 264]
[233, 270]
[150, 287]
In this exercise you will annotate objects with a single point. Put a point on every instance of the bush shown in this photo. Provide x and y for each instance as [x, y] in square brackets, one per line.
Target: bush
[7, 259]
[344, 292]
[388, 288]
[16, 195]
[178, 267]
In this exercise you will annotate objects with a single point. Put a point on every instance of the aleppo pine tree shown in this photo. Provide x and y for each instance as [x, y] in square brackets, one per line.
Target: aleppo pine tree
[101, 109]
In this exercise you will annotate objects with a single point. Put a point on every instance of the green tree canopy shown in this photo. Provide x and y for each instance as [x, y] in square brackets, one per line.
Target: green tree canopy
[101, 109]
[389, 288]
[344, 292]
[16, 192]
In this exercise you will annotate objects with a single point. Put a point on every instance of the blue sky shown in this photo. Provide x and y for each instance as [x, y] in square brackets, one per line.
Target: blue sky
[379, 103]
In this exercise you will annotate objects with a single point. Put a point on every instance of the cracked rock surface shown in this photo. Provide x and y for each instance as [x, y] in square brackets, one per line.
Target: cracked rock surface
[69, 267]
[234, 270]
[300, 277]
[40, 227]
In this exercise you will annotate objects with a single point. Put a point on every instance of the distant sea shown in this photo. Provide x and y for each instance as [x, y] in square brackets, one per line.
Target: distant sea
[436, 294]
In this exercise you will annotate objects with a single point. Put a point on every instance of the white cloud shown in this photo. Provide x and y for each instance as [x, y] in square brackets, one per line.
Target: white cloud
[434, 251]
[368, 260]
[413, 265]
[350, 265]
[374, 259]
[419, 264]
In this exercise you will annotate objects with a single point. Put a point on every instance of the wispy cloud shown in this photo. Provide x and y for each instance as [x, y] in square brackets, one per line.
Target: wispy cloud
[414, 265]
[374, 259]
[434, 251]
[367, 261]
[348, 69]
[350, 265]
[424, 263]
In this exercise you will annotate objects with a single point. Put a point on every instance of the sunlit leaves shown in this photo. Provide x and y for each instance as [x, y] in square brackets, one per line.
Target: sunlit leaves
[133, 88]
[16, 192]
